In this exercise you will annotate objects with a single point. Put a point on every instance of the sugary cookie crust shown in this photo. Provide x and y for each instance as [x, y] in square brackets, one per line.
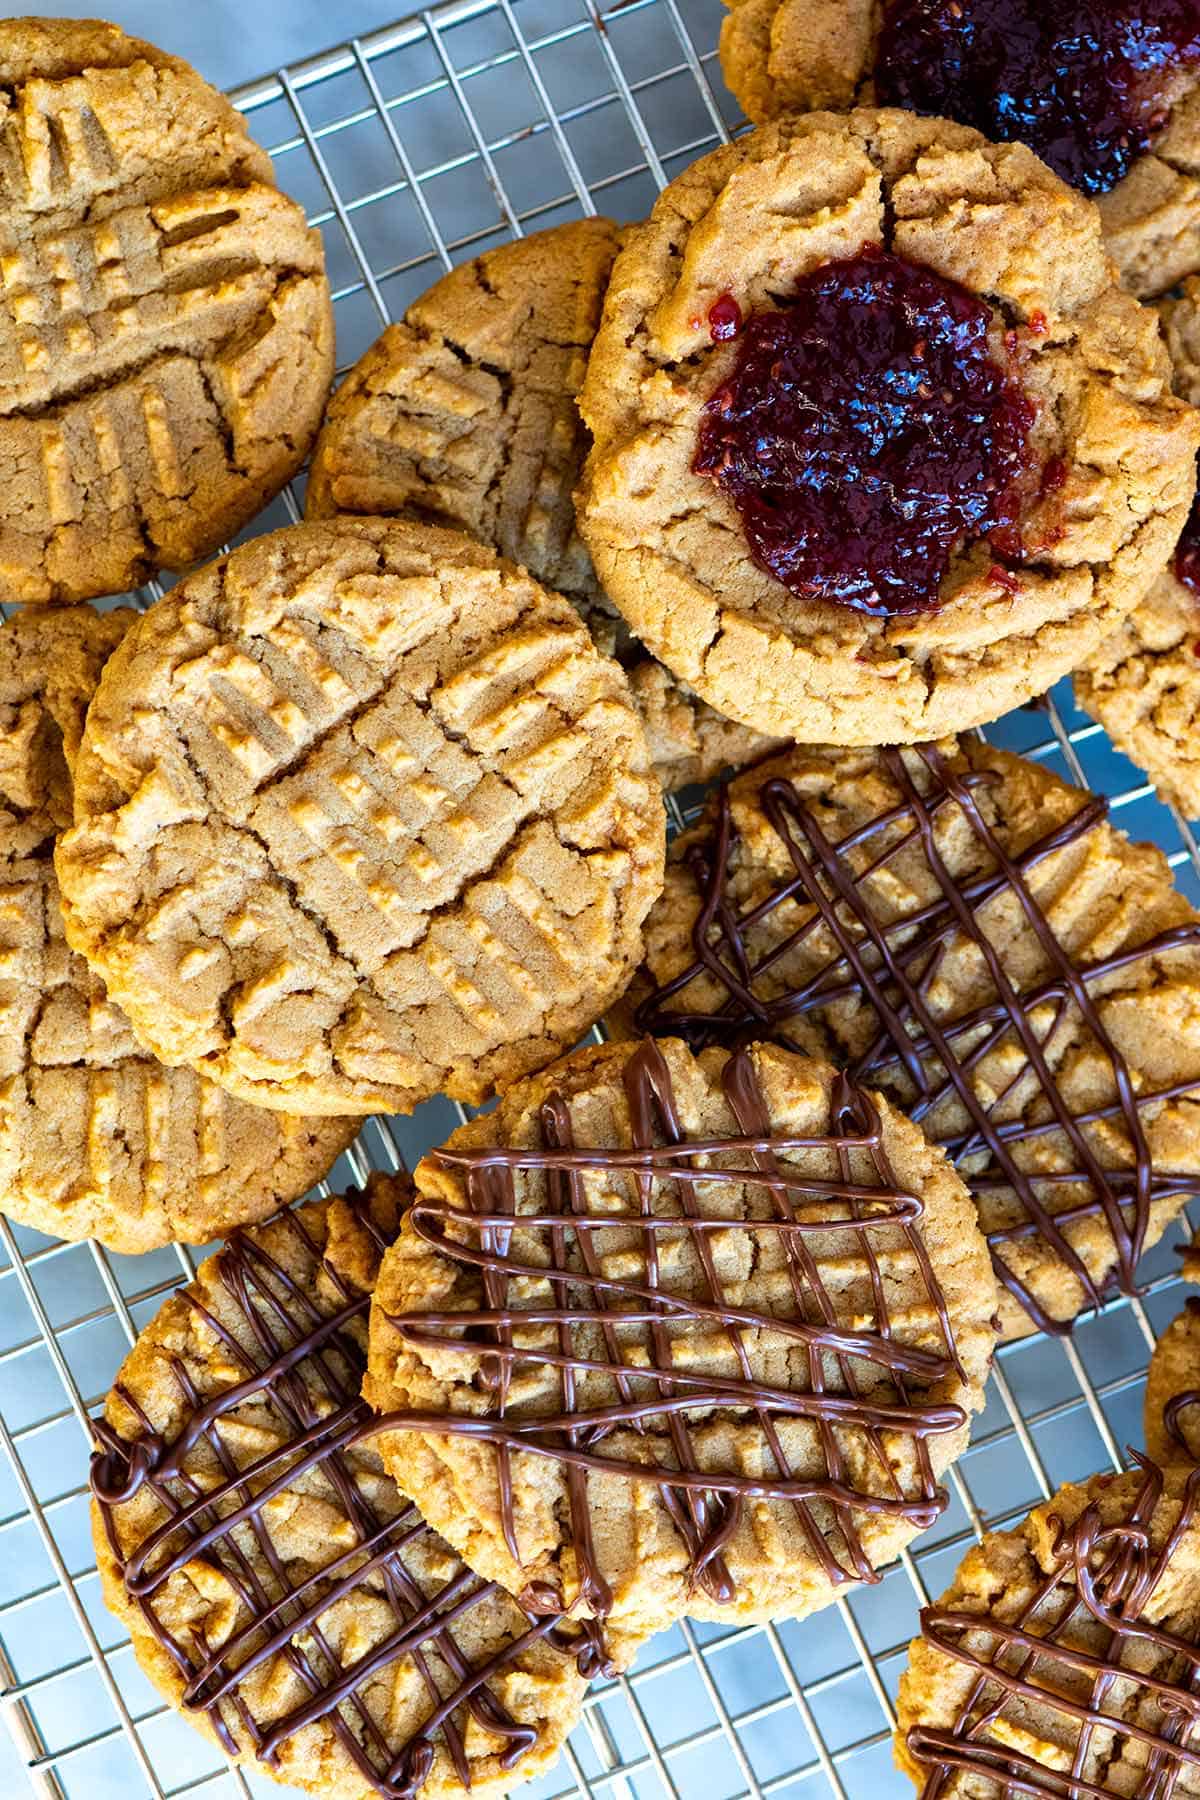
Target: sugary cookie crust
[1102, 897]
[362, 816]
[465, 414]
[1143, 684]
[166, 342]
[669, 546]
[783, 56]
[96, 1138]
[641, 1554]
[311, 1264]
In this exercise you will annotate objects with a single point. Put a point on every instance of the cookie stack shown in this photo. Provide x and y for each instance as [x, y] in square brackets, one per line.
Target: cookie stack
[864, 437]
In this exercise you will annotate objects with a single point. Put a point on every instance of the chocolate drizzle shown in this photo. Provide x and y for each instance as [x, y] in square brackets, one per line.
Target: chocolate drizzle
[632, 1374]
[919, 1053]
[308, 1370]
[1065, 1652]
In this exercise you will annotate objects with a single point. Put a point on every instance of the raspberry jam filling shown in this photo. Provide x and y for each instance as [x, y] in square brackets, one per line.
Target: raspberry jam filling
[866, 432]
[1187, 550]
[1079, 81]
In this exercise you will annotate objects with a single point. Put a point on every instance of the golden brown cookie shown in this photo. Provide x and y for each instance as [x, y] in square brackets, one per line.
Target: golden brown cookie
[1143, 684]
[97, 1139]
[966, 931]
[279, 1590]
[1111, 447]
[1062, 1657]
[1171, 1412]
[733, 1412]
[166, 337]
[464, 414]
[362, 816]
[781, 56]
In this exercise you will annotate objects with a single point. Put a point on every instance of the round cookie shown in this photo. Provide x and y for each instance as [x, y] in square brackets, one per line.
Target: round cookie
[1105, 1576]
[96, 1138]
[465, 414]
[1171, 1412]
[1103, 450]
[966, 931]
[1143, 684]
[279, 1590]
[782, 56]
[362, 816]
[814, 1292]
[166, 337]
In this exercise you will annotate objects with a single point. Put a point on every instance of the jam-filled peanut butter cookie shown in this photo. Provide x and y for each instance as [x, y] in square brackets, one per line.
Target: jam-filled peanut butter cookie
[880, 447]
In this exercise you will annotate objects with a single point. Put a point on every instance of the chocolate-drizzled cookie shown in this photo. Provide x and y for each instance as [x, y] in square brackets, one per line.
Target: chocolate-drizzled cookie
[970, 933]
[665, 1334]
[278, 1589]
[1064, 1660]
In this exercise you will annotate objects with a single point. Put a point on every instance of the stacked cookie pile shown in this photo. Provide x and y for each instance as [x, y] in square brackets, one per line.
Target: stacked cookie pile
[865, 436]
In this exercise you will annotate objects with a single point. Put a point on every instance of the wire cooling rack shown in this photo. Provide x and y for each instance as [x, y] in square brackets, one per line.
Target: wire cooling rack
[412, 149]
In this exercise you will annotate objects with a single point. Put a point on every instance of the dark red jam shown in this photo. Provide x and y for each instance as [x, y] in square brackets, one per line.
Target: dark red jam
[724, 319]
[866, 432]
[1187, 550]
[1079, 81]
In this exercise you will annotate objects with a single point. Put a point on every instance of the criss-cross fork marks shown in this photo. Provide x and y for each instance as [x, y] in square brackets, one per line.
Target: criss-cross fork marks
[308, 1376]
[928, 1056]
[1081, 1651]
[94, 304]
[641, 1331]
[390, 811]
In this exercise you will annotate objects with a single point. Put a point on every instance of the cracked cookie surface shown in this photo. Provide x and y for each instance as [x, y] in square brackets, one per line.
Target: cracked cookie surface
[781, 56]
[1105, 1576]
[1143, 684]
[753, 217]
[166, 333]
[837, 1370]
[265, 1564]
[362, 816]
[97, 1139]
[465, 414]
[968, 932]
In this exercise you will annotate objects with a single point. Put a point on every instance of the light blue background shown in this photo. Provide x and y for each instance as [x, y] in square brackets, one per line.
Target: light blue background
[232, 41]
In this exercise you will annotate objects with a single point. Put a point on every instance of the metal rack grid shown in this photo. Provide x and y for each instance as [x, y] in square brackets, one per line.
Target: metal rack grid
[412, 149]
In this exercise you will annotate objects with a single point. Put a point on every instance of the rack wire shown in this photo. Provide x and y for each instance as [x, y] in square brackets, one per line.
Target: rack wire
[412, 149]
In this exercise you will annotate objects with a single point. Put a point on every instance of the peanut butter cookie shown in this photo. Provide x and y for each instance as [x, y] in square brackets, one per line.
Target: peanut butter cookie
[166, 336]
[278, 1588]
[465, 414]
[968, 932]
[97, 1139]
[880, 447]
[1143, 684]
[1062, 1657]
[1108, 94]
[720, 1362]
[362, 816]
[1171, 1414]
